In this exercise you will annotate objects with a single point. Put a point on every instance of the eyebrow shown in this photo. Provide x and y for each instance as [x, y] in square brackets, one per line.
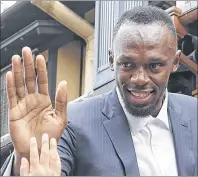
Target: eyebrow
[130, 59]
[156, 60]
[125, 58]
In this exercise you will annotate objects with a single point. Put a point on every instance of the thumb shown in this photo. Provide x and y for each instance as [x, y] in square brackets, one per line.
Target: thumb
[61, 101]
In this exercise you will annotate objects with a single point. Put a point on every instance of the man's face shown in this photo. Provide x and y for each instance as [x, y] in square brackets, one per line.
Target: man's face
[143, 57]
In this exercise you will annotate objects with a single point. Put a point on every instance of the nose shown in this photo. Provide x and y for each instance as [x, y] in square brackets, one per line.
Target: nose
[140, 77]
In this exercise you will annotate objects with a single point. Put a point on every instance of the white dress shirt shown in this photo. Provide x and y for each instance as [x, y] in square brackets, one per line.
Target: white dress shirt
[153, 142]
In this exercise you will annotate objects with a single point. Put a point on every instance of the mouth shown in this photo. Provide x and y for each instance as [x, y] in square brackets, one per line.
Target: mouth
[138, 97]
[141, 94]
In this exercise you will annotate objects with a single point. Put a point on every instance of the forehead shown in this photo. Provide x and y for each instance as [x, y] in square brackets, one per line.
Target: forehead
[139, 38]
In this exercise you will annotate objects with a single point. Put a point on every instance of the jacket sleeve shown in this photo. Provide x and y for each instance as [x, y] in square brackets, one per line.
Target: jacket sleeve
[67, 150]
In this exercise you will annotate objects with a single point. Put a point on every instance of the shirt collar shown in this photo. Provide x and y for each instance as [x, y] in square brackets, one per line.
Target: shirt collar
[136, 124]
[163, 114]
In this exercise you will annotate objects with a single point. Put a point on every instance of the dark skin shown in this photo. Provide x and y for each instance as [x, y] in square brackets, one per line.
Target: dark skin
[142, 58]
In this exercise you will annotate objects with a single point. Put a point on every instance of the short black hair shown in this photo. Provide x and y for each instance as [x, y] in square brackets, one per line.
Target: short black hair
[145, 15]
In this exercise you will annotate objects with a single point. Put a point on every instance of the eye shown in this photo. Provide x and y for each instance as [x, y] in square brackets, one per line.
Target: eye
[155, 65]
[126, 65]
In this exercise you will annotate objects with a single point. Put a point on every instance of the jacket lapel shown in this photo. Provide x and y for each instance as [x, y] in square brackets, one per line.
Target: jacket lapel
[182, 138]
[119, 133]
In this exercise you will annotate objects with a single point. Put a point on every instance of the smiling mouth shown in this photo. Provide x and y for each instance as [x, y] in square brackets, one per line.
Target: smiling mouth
[141, 94]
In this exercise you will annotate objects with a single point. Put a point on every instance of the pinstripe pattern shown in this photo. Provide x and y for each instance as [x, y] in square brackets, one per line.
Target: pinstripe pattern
[104, 145]
[97, 139]
[183, 118]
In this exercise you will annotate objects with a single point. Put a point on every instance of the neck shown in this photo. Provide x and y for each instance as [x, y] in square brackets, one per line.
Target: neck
[159, 105]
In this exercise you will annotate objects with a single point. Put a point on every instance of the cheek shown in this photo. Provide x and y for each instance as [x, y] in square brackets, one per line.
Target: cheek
[123, 77]
[161, 79]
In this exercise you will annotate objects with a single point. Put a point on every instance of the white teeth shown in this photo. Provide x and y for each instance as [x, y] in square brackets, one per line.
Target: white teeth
[140, 95]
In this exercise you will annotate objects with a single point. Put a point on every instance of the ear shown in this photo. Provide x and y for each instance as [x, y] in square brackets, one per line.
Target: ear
[176, 61]
[111, 60]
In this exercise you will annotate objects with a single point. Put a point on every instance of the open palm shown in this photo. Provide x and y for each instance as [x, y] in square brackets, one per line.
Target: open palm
[31, 112]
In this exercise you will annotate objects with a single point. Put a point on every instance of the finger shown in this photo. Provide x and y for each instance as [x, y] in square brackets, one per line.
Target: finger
[42, 75]
[34, 156]
[44, 157]
[61, 100]
[11, 90]
[30, 77]
[24, 168]
[54, 158]
[58, 165]
[18, 76]
[57, 171]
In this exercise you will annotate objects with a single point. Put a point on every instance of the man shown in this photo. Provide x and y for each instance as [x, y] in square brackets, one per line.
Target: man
[136, 129]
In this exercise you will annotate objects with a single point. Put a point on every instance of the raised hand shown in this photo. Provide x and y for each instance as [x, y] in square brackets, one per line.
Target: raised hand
[48, 164]
[30, 111]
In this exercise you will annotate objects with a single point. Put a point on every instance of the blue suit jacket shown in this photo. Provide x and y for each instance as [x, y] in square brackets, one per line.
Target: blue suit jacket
[97, 140]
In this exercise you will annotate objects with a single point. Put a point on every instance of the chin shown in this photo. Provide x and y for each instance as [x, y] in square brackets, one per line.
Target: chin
[140, 110]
